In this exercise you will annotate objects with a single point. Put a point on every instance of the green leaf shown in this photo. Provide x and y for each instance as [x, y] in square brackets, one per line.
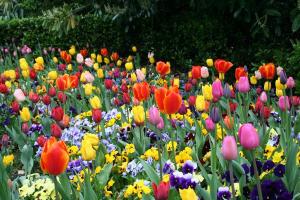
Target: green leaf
[19, 137]
[273, 12]
[60, 189]
[150, 172]
[88, 192]
[103, 176]
[173, 194]
[5, 192]
[203, 193]
[26, 158]
[296, 23]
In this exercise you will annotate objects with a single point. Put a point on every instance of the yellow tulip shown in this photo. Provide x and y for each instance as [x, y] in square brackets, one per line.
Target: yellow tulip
[8, 84]
[207, 92]
[10, 74]
[176, 82]
[25, 73]
[100, 73]
[93, 56]
[92, 139]
[119, 63]
[25, 114]
[152, 60]
[40, 60]
[72, 50]
[87, 150]
[200, 103]
[278, 85]
[134, 49]
[55, 60]
[188, 194]
[52, 75]
[99, 58]
[95, 102]
[69, 67]
[144, 70]
[267, 86]
[138, 114]
[279, 93]
[106, 61]
[88, 89]
[23, 64]
[96, 66]
[133, 77]
[129, 66]
[253, 80]
[8, 160]
[209, 62]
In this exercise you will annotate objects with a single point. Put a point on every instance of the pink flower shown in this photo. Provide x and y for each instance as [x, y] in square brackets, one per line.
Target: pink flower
[229, 148]
[154, 115]
[243, 85]
[19, 95]
[290, 83]
[89, 77]
[217, 89]
[263, 97]
[278, 70]
[209, 124]
[204, 72]
[161, 123]
[140, 75]
[257, 75]
[248, 136]
[89, 62]
[79, 58]
[283, 103]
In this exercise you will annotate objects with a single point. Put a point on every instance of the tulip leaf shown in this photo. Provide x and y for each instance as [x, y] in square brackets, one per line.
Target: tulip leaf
[103, 176]
[59, 186]
[147, 197]
[19, 138]
[88, 192]
[203, 193]
[5, 192]
[292, 173]
[150, 172]
[173, 194]
[26, 158]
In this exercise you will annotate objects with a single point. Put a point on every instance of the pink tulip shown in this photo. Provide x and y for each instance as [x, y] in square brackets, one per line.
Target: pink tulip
[217, 89]
[290, 83]
[140, 75]
[209, 124]
[89, 77]
[283, 103]
[229, 148]
[89, 62]
[79, 58]
[161, 123]
[161, 192]
[204, 72]
[154, 115]
[248, 136]
[243, 85]
[263, 97]
[19, 95]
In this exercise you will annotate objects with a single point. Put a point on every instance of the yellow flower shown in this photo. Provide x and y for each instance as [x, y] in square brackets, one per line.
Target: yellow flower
[151, 153]
[129, 66]
[267, 86]
[25, 114]
[88, 89]
[298, 158]
[89, 145]
[99, 58]
[209, 62]
[69, 67]
[176, 82]
[23, 64]
[52, 75]
[166, 178]
[152, 60]
[93, 56]
[221, 76]
[106, 60]
[119, 63]
[278, 85]
[207, 156]
[55, 60]
[10, 74]
[39, 60]
[72, 50]
[279, 93]
[100, 73]
[277, 157]
[95, 102]
[109, 158]
[8, 84]
[253, 80]
[188, 194]
[200, 103]
[207, 92]
[25, 73]
[96, 66]
[170, 147]
[138, 114]
[129, 148]
[8, 160]
[134, 49]
[144, 70]
[92, 139]
[73, 150]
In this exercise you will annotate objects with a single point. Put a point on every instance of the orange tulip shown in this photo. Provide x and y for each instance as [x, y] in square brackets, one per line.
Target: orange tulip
[228, 121]
[141, 91]
[63, 82]
[168, 101]
[65, 56]
[267, 71]
[163, 68]
[222, 66]
[54, 157]
[74, 81]
[240, 71]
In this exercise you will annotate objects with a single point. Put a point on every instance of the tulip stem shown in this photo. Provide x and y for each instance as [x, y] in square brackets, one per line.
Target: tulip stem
[258, 185]
[56, 191]
[231, 179]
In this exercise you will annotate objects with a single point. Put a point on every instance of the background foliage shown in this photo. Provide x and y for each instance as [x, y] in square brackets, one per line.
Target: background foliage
[184, 32]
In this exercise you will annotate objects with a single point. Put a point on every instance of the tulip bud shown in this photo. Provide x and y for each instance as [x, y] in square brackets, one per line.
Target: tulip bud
[229, 148]
[154, 115]
[3, 89]
[182, 110]
[96, 115]
[108, 83]
[263, 97]
[52, 92]
[25, 128]
[124, 88]
[204, 72]
[228, 121]
[161, 123]
[62, 97]
[283, 103]
[192, 100]
[41, 140]
[243, 85]
[290, 83]
[209, 124]
[65, 121]
[217, 89]
[188, 87]
[4, 140]
[126, 98]
[227, 91]
[283, 78]
[15, 106]
[215, 114]
[57, 113]
[55, 130]
[248, 136]
[46, 99]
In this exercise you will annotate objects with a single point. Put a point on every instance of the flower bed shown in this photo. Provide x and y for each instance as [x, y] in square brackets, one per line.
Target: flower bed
[95, 125]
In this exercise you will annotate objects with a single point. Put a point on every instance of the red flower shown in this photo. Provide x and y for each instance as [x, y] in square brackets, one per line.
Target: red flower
[196, 72]
[161, 192]
[168, 101]
[240, 71]
[52, 92]
[222, 66]
[3, 88]
[126, 98]
[32, 74]
[96, 115]
[163, 68]
[188, 87]
[34, 97]
[141, 91]
[15, 106]
[54, 157]
[41, 140]
[46, 99]
[108, 83]
[55, 130]
[267, 71]
[74, 81]
[104, 52]
[63, 82]
[57, 113]
[62, 97]
[115, 56]
[84, 52]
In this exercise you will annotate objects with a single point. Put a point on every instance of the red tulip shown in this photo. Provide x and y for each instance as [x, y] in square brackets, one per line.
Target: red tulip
[32, 74]
[161, 192]
[222, 66]
[62, 97]
[55, 130]
[188, 87]
[63, 82]
[96, 115]
[163, 68]
[41, 140]
[115, 56]
[104, 52]
[192, 100]
[54, 157]
[240, 71]
[141, 91]
[267, 71]
[108, 83]
[15, 106]
[25, 127]
[3, 88]
[46, 99]
[52, 92]
[168, 101]
[57, 113]
[196, 72]
[34, 97]
[84, 52]
[126, 98]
